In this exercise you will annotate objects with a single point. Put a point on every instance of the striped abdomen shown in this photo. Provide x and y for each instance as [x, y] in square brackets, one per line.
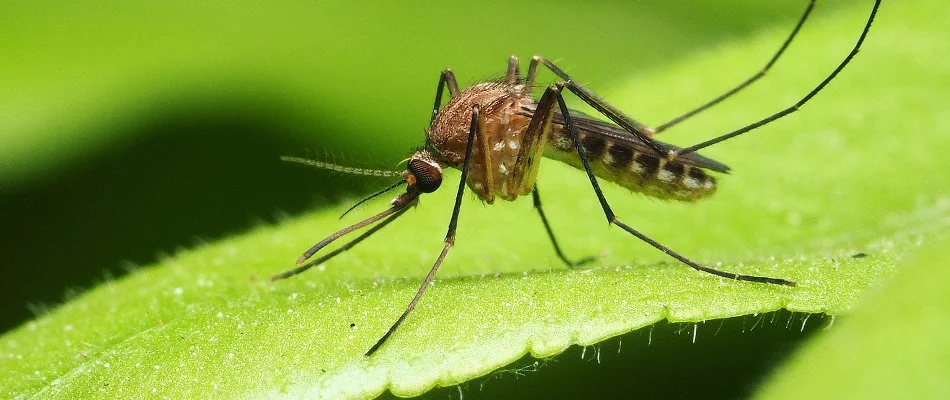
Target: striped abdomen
[639, 170]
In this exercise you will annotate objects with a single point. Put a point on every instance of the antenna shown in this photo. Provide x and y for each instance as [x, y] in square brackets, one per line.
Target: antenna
[342, 168]
[372, 196]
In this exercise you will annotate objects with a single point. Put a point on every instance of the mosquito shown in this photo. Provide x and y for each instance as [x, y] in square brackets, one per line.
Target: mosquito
[496, 133]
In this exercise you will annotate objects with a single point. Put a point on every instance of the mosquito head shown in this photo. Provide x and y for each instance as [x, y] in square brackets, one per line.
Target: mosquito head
[423, 173]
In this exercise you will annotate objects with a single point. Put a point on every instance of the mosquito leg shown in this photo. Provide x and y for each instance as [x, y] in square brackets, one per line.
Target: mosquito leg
[612, 218]
[529, 158]
[447, 78]
[547, 227]
[532, 72]
[747, 82]
[524, 172]
[641, 131]
[449, 236]
[794, 107]
[513, 75]
[345, 247]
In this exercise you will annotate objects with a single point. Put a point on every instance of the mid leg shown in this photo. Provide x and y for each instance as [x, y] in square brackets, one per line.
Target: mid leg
[547, 228]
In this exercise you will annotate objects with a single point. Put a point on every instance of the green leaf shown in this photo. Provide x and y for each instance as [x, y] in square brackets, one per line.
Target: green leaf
[893, 346]
[856, 171]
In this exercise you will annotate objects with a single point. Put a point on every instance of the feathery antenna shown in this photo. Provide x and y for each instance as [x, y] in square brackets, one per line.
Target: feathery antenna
[342, 168]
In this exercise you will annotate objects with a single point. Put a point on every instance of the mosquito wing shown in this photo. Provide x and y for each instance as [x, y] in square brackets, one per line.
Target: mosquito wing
[614, 133]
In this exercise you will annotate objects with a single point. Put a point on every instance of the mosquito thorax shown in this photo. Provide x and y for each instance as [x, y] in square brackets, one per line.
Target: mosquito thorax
[423, 173]
[448, 132]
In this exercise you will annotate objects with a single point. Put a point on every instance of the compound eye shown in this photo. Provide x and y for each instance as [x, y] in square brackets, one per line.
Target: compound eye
[428, 176]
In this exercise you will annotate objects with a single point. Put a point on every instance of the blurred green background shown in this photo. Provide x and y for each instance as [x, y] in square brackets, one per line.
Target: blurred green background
[130, 130]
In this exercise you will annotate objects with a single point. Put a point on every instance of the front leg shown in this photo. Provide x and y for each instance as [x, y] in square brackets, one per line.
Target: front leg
[449, 236]
[447, 78]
